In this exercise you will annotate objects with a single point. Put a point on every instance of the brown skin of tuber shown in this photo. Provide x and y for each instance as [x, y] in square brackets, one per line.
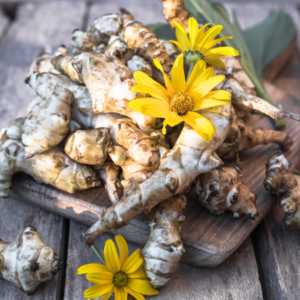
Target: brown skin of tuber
[52, 167]
[164, 248]
[27, 261]
[174, 10]
[109, 173]
[126, 16]
[146, 44]
[223, 189]
[285, 185]
[242, 137]
[88, 146]
[81, 42]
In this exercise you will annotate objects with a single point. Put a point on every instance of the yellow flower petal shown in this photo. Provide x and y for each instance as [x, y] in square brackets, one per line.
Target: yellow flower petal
[134, 294]
[172, 120]
[139, 273]
[111, 257]
[150, 107]
[198, 70]
[215, 42]
[199, 36]
[209, 35]
[100, 278]
[191, 117]
[193, 30]
[143, 79]
[141, 286]
[120, 293]
[133, 262]
[214, 61]
[97, 291]
[182, 37]
[92, 268]
[123, 248]
[177, 74]
[212, 99]
[153, 91]
[168, 82]
[177, 44]
[222, 51]
[207, 85]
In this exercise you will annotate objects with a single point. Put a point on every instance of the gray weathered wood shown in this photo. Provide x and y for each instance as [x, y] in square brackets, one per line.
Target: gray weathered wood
[15, 216]
[236, 278]
[4, 21]
[36, 26]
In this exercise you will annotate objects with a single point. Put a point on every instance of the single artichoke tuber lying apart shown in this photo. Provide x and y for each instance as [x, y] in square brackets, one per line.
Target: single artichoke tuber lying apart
[223, 189]
[27, 261]
[285, 185]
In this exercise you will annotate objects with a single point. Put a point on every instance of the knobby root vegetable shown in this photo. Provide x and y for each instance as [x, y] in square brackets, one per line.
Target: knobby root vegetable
[126, 16]
[13, 130]
[118, 48]
[160, 138]
[53, 167]
[242, 99]
[48, 123]
[164, 248]
[174, 10]
[109, 83]
[137, 63]
[190, 157]
[171, 49]
[109, 173]
[35, 100]
[102, 28]
[285, 185]
[146, 44]
[81, 42]
[27, 261]
[242, 137]
[223, 189]
[133, 172]
[88, 146]
[43, 62]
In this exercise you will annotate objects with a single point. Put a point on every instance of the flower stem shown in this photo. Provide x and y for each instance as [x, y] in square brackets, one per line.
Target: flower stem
[96, 252]
[159, 125]
[191, 67]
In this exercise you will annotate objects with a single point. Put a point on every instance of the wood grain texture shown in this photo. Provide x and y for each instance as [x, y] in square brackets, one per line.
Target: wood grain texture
[236, 278]
[36, 26]
[15, 216]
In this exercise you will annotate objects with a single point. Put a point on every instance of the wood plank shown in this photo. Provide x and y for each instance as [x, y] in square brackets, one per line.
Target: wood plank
[36, 26]
[236, 278]
[15, 216]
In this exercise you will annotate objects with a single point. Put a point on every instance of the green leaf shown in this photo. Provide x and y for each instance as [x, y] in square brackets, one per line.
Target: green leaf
[163, 31]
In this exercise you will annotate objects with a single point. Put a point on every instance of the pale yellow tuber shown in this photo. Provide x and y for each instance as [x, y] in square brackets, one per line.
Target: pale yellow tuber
[171, 49]
[174, 10]
[164, 248]
[48, 123]
[126, 16]
[13, 130]
[88, 146]
[81, 42]
[109, 173]
[223, 189]
[27, 262]
[137, 63]
[53, 167]
[285, 185]
[146, 44]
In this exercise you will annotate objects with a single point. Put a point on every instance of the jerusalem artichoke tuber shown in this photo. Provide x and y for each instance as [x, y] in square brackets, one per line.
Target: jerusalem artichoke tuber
[13, 130]
[126, 16]
[146, 44]
[88, 146]
[174, 10]
[48, 123]
[81, 42]
[53, 167]
[109, 173]
[285, 185]
[164, 248]
[137, 63]
[223, 189]
[27, 261]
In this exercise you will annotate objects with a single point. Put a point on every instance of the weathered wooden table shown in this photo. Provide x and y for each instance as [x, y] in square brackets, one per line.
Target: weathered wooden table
[266, 266]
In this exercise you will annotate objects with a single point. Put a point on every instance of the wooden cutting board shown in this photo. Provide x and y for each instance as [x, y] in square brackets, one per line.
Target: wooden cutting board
[208, 239]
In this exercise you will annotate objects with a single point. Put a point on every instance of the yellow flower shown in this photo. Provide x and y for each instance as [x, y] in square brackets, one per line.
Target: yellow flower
[199, 44]
[180, 101]
[121, 275]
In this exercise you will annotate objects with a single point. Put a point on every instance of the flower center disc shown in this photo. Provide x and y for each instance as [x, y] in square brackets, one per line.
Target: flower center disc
[181, 103]
[120, 279]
